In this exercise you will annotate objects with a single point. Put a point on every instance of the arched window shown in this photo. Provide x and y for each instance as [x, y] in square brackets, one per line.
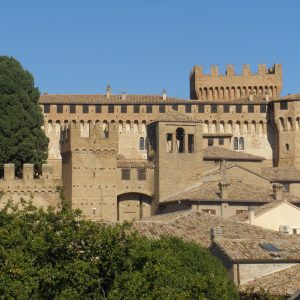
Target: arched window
[241, 143]
[142, 143]
[235, 144]
[180, 139]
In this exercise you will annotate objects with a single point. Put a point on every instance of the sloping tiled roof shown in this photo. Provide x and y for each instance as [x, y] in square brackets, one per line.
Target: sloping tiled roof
[289, 97]
[244, 216]
[195, 226]
[130, 99]
[227, 154]
[238, 191]
[134, 164]
[282, 283]
[175, 116]
[282, 174]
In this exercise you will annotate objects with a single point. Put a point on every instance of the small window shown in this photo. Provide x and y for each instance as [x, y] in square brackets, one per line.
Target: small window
[85, 108]
[287, 147]
[214, 108]
[226, 108]
[235, 143]
[210, 141]
[221, 141]
[125, 174]
[269, 247]
[209, 211]
[283, 105]
[111, 109]
[250, 108]
[241, 143]
[188, 108]
[142, 143]
[169, 142]
[190, 143]
[141, 174]
[72, 109]
[286, 187]
[263, 108]
[201, 108]
[136, 109]
[123, 109]
[175, 107]
[162, 109]
[59, 108]
[149, 109]
[238, 108]
[98, 109]
[46, 108]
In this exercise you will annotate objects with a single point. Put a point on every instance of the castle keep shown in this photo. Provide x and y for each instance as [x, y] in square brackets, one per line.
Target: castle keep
[230, 148]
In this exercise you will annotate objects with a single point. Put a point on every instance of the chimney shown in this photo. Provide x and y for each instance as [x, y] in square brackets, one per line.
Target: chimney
[108, 91]
[123, 96]
[223, 186]
[215, 233]
[251, 215]
[278, 191]
[164, 95]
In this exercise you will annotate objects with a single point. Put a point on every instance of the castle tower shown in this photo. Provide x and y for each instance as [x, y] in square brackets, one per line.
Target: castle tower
[286, 112]
[214, 86]
[176, 149]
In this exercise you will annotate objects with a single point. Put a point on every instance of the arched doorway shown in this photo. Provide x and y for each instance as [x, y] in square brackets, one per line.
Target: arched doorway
[133, 206]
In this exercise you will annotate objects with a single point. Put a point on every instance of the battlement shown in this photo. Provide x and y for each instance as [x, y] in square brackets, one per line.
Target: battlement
[231, 86]
[90, 136]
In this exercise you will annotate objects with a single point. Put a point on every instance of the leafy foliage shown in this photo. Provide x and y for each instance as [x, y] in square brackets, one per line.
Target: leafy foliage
[21, 138]
[49, 255]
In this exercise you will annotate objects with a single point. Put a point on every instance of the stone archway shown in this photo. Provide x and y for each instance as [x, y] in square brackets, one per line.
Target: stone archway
[133, 206]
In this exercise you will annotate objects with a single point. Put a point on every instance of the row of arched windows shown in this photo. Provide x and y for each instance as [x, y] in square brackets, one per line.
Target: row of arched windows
[219, 93]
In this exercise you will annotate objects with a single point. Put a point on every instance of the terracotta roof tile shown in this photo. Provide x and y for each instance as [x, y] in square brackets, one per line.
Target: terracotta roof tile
[134, 164]
[282, 174]
[174, 116]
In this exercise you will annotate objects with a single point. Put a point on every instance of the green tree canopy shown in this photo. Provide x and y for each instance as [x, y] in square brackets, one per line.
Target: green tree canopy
[48, 255]
[21, 138]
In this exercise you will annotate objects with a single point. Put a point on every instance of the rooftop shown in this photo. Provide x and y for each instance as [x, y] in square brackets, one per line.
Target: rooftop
[282, 174]
[174, 116]
[134, 164]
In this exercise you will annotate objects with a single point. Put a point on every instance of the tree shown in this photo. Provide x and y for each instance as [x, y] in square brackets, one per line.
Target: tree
[49, 255]
[22, 139]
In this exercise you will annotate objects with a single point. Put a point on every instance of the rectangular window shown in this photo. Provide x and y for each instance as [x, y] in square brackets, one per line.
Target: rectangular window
[123, 109]
[226, 108]
[175, 107]
[149, 109]
[188, 108]
[125, 174]
[238, 108]
[85, 109]
[210, 141]
[169, 142]
[98, 108]
[59, 108]
[221, 141]
[201, 108]
[141, 174]
[111, 109]
[191, 143]
[250, 108]
[72, 109]
[284, 105]
[162, 109]
[46, 108]
[214, 108]
[136, 109]
[263, 108]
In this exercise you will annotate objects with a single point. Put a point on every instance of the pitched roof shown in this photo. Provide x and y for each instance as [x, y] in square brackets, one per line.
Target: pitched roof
[282, 283]
[244, 216]
[289, 97]
[282, 174]
[134, 164]
[213, 153]
[175, 116]
[195, 226]
[238, 191]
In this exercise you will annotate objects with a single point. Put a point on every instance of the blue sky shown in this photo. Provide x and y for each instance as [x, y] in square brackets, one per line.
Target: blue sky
[146, 46]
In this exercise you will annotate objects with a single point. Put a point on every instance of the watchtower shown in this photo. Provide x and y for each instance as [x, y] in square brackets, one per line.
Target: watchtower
[231, 86]
[176, 149]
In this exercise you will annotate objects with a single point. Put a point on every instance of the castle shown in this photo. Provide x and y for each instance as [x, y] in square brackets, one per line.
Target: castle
[230, 148]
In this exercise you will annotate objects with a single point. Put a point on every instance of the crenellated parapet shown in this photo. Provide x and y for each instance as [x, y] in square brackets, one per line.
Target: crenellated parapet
[267, 82]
